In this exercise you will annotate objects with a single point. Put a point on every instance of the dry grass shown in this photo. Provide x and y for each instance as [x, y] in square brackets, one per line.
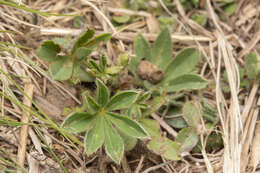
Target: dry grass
[219, 43]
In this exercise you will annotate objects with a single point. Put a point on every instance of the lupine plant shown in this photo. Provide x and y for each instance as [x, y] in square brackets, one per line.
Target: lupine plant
[103, 124]
[73, 64]
[175, 72]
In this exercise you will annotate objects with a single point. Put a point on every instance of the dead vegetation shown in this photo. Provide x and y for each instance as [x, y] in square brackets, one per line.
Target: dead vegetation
[223, 44]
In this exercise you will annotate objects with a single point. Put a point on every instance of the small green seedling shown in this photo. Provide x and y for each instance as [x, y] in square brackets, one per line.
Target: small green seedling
[171, 74]
[103, 124]
[102, 70]
[73, 64]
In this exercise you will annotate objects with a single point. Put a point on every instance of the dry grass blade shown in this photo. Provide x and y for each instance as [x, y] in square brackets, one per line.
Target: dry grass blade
[232, 124]
[255, 155]
[28, 90]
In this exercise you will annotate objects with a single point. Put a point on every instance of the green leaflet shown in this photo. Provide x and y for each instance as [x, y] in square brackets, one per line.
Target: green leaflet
[142, 48]
[95, 137]
[62, 68]
[122, 100]
[48, 51]
[83, 38]
[192, 114]
[151, 126]
[186, 82]
[188, 139]
[103, 93]
[165, 148]
[97, 40]
[129, 141]
[121, 19]
[114, 144]
[162, 50]
[92, 104]
[78, 122]
[183, 63]
[126, 125]
[79, 74]
[82, 53]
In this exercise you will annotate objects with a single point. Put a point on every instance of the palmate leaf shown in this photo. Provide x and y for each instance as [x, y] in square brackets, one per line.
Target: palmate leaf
[114, 144]
[103, 93]
[142, 48]
[122, 100]
[183, 63]
[186, 82]
[95, 137]
[62, 68]
[126, 125]
[162, 50]
[48, 51]
[78, 122]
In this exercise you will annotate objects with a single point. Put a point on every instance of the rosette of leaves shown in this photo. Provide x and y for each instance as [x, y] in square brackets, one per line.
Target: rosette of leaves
[160, 70]
[103, 125]
[73, 64]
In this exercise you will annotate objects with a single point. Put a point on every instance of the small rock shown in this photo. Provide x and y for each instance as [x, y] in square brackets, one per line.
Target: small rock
[148, 71]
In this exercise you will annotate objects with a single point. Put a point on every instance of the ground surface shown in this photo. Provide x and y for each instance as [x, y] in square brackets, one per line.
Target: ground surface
[224, 45]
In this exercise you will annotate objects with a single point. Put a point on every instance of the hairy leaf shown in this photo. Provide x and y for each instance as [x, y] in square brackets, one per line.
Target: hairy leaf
[164, 147]
[78, 122]
[122, 100]
[95, 137]
[114, 144]
[186, 82]
[102, 93]
[92, 104]
[142, 48]
[128, 126]
[192, 114]
[183, 63]
[188, 139]
[162, 50]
